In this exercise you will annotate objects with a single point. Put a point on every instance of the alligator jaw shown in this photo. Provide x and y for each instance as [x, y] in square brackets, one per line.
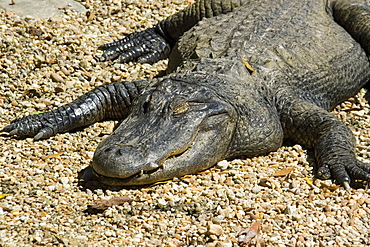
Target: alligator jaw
[143, 176]
[207, 148]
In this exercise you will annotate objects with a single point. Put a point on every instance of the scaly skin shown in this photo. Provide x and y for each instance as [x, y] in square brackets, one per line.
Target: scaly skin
[243, 76]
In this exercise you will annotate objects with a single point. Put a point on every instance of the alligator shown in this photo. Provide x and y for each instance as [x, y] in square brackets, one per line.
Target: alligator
[242, 77]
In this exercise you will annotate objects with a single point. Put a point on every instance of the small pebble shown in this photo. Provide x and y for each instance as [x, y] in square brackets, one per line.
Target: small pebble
[56, 77]
[214, 229]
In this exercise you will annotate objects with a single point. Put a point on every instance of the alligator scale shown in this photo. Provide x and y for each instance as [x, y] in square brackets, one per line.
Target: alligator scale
[242, 77]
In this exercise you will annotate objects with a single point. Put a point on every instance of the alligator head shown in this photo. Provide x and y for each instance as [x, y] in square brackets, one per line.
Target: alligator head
[175, 128]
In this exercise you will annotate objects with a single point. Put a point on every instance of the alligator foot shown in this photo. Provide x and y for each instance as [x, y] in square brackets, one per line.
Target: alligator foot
[345, 173]
[144, 47]
[36, 126]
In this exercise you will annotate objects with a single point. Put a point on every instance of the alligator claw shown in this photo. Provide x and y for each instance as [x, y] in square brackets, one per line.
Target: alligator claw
[44, 134]
[346, 186]
[145, 47]
[345, 172]
[30, 126]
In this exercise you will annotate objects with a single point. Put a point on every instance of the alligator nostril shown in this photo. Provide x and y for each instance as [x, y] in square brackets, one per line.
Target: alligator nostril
[108, 149]
[120, 151]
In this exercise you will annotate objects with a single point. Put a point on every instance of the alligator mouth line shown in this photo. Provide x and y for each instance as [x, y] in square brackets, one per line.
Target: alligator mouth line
[135, 176]
[141, 173]
[148, 172]
[161, 164]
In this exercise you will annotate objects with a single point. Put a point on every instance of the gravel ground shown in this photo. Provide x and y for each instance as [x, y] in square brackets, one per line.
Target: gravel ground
[46, 63]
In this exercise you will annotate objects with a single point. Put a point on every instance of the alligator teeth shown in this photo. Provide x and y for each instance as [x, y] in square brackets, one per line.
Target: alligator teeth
[152, 166]
[148, 168]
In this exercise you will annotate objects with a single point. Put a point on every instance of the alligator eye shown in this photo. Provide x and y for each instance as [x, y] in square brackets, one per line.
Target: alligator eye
[181, 108]
[146, 103]
[145, 107]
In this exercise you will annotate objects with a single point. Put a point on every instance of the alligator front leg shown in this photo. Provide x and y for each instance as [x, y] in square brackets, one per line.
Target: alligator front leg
[109, 101]
[154, 44]
[332, 141]
[354, 16]
[147, 46]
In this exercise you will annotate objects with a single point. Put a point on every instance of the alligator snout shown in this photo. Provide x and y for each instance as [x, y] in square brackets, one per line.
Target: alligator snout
[166, 135]
[122, 161]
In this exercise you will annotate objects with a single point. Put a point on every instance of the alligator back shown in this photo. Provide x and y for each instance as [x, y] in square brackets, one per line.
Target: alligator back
[286, 43]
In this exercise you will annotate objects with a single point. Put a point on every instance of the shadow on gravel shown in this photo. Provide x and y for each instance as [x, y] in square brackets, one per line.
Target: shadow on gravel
[88, 180]
[367, 94]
